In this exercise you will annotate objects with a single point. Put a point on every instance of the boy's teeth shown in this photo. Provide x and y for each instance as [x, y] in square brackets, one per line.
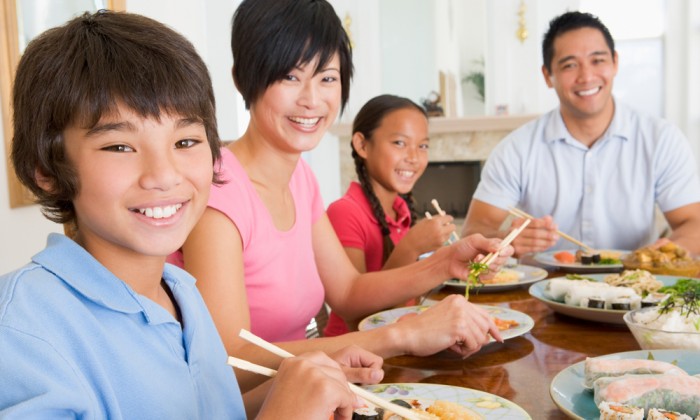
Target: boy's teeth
[160, 212]
[588, 92]
[304, 121]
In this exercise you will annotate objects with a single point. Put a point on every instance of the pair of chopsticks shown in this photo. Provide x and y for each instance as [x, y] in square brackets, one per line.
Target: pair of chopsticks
[519, 213]
[262, 370]
[453, 236]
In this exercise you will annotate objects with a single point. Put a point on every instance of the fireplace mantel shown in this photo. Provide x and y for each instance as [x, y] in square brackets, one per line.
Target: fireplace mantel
[451, 139]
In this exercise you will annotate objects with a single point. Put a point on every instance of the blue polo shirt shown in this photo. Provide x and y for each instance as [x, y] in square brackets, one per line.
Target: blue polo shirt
[604, 195]
[77, 342]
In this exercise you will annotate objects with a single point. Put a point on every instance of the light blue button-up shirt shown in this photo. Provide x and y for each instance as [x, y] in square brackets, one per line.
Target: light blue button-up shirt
[604, 195]
[77, 342]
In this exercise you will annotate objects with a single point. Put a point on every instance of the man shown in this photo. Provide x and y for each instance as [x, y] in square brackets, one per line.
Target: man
[592, 168]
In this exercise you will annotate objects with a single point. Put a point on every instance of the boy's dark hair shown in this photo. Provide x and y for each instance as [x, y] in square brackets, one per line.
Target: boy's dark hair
[76, 73]
[367, 120]
[271, 37]
[570, 21]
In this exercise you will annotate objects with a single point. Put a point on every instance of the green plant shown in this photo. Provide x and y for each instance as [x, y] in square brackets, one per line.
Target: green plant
[476, 77]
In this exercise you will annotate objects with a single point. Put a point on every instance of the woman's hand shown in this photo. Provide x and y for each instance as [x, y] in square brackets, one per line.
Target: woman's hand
[309, 386]
[360, 365]
[453, 323]
[471, 249]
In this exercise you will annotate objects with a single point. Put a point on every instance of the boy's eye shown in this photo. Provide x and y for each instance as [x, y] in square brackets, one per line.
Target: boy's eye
[186, 143]
[425, 146]
[400, 143]
[289, 77]
[122, 148]
[330, 79]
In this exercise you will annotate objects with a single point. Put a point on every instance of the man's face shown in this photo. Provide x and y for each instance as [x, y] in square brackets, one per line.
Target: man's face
[583, 69]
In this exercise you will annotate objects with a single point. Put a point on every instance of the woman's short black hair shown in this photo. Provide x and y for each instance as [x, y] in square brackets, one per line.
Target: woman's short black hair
[570, 21]
[269, 38]
[79, 72]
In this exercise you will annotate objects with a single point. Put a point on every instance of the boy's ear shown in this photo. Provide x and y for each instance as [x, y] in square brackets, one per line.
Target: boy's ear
[359, 143]
[44, 182]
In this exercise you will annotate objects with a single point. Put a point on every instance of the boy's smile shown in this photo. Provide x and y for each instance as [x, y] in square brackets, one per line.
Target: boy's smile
[143, 183]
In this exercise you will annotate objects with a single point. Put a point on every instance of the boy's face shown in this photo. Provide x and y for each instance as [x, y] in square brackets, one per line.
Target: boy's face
[143, 183]
[583, 69]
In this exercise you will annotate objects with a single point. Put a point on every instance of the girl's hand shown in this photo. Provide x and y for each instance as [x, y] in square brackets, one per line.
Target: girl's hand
[453, 323]
[311, 386]
[360, 365]
[429, 234]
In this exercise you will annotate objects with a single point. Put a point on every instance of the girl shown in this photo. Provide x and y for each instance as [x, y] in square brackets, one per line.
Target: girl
[390, 149]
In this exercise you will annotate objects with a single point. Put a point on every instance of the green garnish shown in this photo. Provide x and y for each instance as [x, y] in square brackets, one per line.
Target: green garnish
[608, 261]
[687, 302]
[476, 269]
[578, 277]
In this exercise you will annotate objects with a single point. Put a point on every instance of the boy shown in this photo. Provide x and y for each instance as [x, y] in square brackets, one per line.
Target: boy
[115, 134]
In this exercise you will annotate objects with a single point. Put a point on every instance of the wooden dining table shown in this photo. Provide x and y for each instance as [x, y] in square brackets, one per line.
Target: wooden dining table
[520, 369]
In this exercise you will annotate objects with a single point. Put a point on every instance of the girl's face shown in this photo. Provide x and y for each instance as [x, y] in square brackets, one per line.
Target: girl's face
[397, 154]
[293, 114]
[144, 183]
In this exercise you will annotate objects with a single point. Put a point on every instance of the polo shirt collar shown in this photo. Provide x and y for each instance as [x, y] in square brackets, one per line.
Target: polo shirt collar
[87, 276]
[620, 127]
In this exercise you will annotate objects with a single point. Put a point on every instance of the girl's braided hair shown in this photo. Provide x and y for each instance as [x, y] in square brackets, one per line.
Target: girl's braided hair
[367, 120]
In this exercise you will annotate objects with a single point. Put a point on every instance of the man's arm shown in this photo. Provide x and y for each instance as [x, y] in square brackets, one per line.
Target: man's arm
[685, 227]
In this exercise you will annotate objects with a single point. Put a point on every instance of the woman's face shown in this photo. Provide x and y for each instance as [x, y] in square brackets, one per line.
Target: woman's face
[294, 113]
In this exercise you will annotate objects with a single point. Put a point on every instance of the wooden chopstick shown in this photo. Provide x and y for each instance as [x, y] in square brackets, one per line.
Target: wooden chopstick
[453, 236]
[506, 241]
[519, 213]
[250, 367]
[368, 396]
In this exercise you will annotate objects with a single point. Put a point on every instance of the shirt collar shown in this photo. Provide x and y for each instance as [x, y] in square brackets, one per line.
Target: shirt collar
[82, 272]
[620, 127]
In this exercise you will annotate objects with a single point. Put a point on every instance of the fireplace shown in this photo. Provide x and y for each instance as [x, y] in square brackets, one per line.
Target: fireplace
[452, 184]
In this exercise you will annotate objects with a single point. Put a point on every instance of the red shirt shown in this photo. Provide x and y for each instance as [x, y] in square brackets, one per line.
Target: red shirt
[356, 227]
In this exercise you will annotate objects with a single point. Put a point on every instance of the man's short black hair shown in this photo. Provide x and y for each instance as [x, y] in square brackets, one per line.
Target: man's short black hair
[570, 21]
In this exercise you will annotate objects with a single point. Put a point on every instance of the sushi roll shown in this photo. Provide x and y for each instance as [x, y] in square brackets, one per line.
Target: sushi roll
[368, 413]
[615, 411]
[587, 258]
[659, 414]
[623, 303]
[595, 302]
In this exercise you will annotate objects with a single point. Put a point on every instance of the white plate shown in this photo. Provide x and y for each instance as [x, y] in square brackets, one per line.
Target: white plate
[525, 323]
[529, 275]
[613, 316]
[547, 258]
[488, 406]
[568, 393]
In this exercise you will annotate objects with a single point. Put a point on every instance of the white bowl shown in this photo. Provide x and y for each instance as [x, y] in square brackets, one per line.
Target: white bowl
[661, 331]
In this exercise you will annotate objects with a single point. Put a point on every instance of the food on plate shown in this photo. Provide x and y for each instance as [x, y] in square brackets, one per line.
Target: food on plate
[505, 276]
[505, 324]
[614, 411]
[670, 258]
[642, 281]
[592, 294]
[680, 393]
[595, 368]
[588, 257]
[437, 409]
[565, 257]
[659, 414]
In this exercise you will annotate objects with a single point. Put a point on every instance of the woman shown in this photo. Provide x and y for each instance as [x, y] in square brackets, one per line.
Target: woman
[264, 253]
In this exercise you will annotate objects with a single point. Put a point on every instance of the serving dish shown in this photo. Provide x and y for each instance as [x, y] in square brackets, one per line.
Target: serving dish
[651, 336]
[612, 316]
[569, 395]
[488, 406]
